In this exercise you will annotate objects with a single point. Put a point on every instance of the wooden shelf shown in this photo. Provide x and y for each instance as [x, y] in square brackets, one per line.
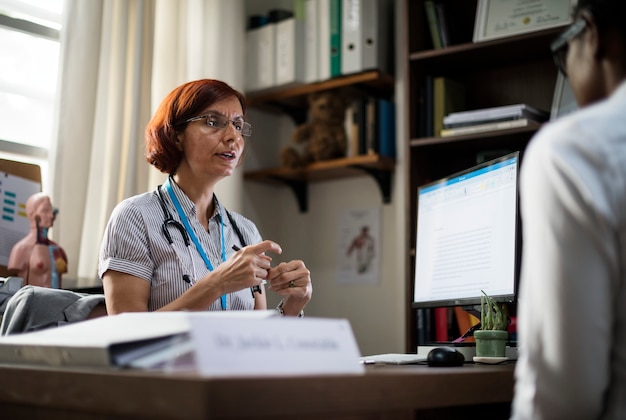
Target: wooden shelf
[379, 167]
[488, 53]
[292, 99]
[428, 141]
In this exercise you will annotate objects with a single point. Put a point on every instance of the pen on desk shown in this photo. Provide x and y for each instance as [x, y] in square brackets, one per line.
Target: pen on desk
[256, 288]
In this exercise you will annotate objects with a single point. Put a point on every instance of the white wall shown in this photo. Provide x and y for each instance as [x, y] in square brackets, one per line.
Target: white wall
[376, 312]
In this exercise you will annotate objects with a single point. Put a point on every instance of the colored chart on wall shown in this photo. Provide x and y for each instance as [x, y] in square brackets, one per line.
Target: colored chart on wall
[14, 225]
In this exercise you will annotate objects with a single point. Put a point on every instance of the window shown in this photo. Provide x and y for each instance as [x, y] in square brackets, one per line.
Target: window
[29, 47]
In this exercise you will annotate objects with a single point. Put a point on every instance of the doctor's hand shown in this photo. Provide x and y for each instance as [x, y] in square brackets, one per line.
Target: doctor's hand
[247, 267]
[292, 280]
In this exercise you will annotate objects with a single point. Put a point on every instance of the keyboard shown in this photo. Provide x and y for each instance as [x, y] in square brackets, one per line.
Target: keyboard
[394, 359]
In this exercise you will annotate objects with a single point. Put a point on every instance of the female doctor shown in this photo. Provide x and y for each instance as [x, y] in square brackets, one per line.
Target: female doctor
[178, 247]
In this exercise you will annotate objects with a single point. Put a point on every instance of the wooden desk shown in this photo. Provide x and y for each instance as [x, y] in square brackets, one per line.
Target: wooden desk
[383, 392]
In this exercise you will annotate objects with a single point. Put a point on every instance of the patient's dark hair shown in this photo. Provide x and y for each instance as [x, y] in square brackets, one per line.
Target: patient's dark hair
[607, 13]
[184, 102]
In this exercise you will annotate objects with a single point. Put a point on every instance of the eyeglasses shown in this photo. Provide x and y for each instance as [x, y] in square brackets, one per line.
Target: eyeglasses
[220, 122]
[560, 45]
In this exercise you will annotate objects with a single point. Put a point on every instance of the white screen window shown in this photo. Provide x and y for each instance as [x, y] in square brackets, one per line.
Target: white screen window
[466, 234]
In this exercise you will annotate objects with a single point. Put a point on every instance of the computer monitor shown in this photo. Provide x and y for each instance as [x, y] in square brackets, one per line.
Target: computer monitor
[467, 236]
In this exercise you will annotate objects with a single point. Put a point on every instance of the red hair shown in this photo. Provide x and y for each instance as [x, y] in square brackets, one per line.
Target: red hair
[184, 102]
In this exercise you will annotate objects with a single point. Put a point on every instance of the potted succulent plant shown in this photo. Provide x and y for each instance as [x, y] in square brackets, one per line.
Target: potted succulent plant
[492, 336]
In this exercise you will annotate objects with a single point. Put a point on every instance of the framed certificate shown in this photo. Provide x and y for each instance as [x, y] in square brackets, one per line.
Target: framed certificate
[502, 18]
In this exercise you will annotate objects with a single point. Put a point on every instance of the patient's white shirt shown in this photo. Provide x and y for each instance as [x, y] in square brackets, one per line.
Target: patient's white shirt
[572, 309]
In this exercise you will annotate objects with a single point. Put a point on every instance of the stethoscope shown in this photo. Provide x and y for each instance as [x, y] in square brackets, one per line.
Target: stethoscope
[188, 235]
[168, 221]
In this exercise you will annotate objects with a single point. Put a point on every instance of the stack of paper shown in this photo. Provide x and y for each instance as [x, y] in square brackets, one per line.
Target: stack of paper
[493, 119]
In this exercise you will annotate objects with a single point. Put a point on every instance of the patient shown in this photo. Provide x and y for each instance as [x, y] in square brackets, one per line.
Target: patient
[572, 304]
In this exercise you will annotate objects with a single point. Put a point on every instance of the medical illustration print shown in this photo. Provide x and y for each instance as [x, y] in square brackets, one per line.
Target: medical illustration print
[358, 253]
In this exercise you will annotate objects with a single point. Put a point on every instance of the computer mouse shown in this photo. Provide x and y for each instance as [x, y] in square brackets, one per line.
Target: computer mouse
[445, 357]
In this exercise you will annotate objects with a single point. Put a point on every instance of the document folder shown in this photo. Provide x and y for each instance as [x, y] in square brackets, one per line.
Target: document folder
[110, 341]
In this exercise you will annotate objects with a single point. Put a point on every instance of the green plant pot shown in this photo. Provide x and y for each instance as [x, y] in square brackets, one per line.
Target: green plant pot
[491, 343]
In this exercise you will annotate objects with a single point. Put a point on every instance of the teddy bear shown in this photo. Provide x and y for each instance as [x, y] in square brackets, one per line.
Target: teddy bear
[323, 136]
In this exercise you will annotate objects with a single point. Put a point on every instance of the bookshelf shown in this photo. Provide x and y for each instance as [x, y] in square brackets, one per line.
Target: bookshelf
[504, 71]
[292, 100]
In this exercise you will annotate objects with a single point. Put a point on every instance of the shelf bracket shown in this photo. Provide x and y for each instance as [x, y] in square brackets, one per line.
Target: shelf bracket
[382, 178]
[301, 191]
[298, 115]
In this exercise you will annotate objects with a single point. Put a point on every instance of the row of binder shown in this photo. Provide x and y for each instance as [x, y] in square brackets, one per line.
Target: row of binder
[319, 40]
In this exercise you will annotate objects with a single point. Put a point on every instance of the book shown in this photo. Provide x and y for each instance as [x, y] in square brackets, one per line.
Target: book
[433, 24]
[371, 126]
[351, 125]
[464, 322]
[441, 324]
[491, 126]
[427, 108]
[448, 97]
[442, 20]
[360, 116]
[421, 326]
[453, 26]
[490, 120]
[495, 113]
[386, 128]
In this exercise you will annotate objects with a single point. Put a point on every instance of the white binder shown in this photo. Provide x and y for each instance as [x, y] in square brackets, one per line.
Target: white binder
[376, 21]
[109, 341]
[224, 343]
[289, 54]
[324, 39]
[351, 36]
[311, 43]
[252, 78]
[264, 40]
[366, 31]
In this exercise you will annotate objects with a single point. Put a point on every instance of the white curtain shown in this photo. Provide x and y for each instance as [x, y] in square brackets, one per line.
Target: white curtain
[120, 58]
[198, 39]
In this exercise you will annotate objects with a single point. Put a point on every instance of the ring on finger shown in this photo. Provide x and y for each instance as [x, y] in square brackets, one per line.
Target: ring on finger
[292, 284]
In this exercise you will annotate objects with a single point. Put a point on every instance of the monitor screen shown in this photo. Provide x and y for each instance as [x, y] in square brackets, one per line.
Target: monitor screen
[467, 236]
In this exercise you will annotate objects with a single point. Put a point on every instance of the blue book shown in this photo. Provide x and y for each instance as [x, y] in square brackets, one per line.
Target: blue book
[387, 128]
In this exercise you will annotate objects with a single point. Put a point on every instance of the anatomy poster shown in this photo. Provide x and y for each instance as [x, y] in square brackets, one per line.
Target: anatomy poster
[358, 248]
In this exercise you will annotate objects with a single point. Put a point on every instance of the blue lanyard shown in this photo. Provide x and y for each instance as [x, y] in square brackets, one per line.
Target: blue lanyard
[194, 238]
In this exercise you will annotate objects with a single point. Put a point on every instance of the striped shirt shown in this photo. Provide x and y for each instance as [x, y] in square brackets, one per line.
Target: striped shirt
[134, 243]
